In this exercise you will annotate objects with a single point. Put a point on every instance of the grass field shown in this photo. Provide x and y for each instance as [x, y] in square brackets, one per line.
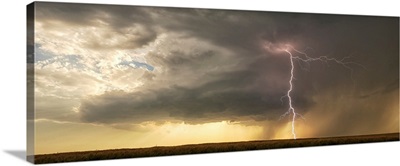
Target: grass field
[208, 148]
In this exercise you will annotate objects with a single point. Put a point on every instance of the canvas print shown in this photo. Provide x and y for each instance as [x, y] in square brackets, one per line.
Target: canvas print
[118, 81]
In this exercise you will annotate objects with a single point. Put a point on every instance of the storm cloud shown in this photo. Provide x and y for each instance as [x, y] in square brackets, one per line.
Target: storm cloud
[199, 65]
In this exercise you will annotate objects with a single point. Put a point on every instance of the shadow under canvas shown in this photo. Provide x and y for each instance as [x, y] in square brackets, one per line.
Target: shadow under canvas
[20, 154]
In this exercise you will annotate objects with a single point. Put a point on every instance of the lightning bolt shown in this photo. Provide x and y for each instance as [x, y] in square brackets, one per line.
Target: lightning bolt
[291, 109]
[303, 57]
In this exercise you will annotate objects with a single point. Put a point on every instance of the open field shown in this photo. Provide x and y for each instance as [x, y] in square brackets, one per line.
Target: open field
[209, 148]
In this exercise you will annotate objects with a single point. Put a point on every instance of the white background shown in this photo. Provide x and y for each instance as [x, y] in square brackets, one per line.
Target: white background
[13, 88]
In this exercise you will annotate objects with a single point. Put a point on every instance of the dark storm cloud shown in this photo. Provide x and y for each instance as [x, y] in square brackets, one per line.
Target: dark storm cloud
[236, 30]
[235, 95]
[253, 88]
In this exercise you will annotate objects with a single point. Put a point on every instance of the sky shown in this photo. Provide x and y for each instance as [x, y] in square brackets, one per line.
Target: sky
[109, 77]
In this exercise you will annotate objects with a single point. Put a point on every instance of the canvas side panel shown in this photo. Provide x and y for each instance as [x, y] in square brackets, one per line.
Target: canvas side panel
[30, 80]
